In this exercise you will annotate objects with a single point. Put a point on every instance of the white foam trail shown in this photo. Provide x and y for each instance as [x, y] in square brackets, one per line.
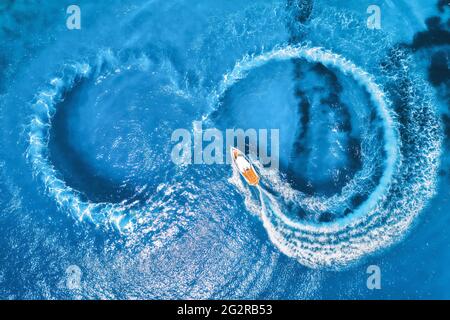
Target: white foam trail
[391, 207]
[117, 215]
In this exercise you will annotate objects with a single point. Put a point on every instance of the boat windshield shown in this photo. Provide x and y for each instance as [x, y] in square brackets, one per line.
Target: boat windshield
[242, 164]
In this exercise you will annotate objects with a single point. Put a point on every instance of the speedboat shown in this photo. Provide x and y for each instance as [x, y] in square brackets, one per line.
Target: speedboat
[244, 166]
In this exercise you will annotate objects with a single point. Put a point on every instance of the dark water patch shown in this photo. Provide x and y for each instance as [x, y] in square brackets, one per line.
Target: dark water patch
[331, 108]
[299, 12]
[326, 217]
[438, 71]
[304, 108]
[299, 182]
[300, 9]
[446, 121]
[10, 33]
[357, 200]
[347, 211]
[442, 4]
[436, 35]
[298, 212]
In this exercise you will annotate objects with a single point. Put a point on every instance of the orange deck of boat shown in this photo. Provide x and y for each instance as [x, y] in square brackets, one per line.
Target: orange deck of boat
[251, 176]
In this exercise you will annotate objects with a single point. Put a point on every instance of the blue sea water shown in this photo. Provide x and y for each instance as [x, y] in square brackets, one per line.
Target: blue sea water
[87, 182]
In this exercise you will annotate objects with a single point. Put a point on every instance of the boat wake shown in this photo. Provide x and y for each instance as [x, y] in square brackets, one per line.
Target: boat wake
[125, 214]
[409, 165]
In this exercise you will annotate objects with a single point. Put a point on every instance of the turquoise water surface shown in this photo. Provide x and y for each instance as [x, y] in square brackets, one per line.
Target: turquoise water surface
[93, 207]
